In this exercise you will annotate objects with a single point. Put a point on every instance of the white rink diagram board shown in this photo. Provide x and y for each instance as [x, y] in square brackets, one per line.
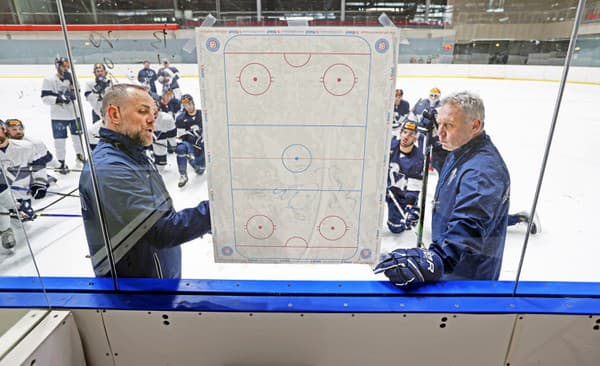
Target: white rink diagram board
[297, 130]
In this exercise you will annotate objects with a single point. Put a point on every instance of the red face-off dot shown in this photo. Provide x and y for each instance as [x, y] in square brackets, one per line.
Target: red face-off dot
[255, 79]
[259, 227]
[339, 80]
[333, 228]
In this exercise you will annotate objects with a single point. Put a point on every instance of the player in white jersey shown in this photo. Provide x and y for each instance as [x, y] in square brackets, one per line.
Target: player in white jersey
[95, 90]
[16, 130]
[59, 93]
[22, 170]
[164, 130]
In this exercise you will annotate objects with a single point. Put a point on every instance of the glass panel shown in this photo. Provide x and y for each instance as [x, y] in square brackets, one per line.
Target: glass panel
[513, 56]
[568, 198]
[518, 90]
[39, 103]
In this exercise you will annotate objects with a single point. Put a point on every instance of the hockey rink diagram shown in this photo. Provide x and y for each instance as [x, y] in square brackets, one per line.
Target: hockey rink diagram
[296, 119]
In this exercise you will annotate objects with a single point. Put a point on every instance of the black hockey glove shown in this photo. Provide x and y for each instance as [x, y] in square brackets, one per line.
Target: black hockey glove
[38, 190]
[410, 267]
[69, 94]
[101, 85]
[397, 192]
[62, 99]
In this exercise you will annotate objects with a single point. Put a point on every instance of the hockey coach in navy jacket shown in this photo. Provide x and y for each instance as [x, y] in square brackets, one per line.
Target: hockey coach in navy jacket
[143, 228]
[470, 207]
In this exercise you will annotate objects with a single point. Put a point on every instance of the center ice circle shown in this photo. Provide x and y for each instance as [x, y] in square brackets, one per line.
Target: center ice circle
[296, 158]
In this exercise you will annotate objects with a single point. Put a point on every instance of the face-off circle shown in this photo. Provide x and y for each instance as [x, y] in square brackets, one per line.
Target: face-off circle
[339, 79]
[296, 158]
[260, 227]
[255, 79]
[332, 228]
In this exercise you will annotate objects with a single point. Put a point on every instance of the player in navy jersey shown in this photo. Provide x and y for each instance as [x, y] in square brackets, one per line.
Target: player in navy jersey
[147, 77]
[168, 76]
[191, 145]
[401, 108]
[405, 177]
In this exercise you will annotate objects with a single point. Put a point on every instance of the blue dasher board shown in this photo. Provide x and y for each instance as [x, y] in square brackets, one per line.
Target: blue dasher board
[297, 125]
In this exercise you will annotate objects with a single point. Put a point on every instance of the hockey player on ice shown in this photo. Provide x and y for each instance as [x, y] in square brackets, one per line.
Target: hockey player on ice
[58, 93]
[190, 146]
[147, 77]
[24, 171]
[424, 107]
[405, 177]
[15, 130]
[171, 105]
[164, 130]
[168, 76]
[94, 90]
[401, 108]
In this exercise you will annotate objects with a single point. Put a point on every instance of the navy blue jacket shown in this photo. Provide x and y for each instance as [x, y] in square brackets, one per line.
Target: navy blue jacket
[470, 211]
[144, 229]
[148, 76]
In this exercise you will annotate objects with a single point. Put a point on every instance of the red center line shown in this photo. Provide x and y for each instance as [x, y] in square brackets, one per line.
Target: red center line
[295, 53]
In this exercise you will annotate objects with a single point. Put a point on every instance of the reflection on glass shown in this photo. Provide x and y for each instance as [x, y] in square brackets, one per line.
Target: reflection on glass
[569, 198]
[509, 64]
[40, 114]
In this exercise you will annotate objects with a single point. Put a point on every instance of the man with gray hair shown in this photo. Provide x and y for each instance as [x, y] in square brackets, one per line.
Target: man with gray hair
[144, 229]
[470, 207]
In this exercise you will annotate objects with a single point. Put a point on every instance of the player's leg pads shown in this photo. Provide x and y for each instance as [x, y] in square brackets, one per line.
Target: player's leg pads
[8, 238]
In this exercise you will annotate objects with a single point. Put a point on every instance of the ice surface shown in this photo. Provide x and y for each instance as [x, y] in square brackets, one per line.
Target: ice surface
[518, 116]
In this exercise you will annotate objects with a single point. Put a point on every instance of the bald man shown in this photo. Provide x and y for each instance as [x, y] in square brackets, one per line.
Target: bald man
[143, 228]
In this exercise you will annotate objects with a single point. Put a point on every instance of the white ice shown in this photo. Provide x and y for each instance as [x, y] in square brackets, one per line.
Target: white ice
[518, 116]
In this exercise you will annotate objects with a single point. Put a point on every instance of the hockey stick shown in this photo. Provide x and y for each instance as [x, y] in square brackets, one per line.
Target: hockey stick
[55, 202]
[49, 192]
[423, 200]
[41, 214]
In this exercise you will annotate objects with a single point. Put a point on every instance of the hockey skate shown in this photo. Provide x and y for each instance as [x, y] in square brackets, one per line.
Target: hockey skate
[63, 168]
[183, 179]
[81, 158]
[199, 169]
[8, 238]
[26, 212]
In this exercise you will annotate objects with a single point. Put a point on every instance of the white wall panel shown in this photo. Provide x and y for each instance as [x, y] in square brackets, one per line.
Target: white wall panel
[184, 338]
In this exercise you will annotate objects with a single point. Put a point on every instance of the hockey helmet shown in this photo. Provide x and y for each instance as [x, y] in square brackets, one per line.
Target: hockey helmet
[409, 125]
[399, 92]
[435, 92]
[186, 98]
[13, 122]
[62, 61]
[99, 66]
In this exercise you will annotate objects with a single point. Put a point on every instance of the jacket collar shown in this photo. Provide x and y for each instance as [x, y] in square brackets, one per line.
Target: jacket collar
[475, 141]
[125, 142]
